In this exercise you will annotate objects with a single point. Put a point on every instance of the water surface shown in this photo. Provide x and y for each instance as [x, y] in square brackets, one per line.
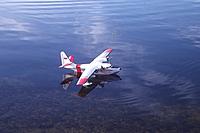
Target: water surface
[156, 43]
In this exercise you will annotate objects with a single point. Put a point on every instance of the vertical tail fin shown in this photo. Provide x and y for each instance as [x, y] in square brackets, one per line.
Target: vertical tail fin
[65, 60]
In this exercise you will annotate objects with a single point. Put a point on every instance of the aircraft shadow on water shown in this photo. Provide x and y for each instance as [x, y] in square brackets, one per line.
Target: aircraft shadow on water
[94, 82]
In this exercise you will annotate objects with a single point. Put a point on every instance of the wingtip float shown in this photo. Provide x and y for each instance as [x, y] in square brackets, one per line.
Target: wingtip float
[99, 66]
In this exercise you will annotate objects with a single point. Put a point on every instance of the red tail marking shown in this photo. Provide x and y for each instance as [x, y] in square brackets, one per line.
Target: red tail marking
[71, 58]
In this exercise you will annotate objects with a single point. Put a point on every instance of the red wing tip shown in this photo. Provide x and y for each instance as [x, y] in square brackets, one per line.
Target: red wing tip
[82, 81]
[109, 50]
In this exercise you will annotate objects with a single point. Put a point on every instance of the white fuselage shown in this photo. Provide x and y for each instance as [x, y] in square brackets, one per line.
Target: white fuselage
[104, 68]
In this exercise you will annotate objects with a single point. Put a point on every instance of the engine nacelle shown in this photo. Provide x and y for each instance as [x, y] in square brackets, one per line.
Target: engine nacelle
[105, 65]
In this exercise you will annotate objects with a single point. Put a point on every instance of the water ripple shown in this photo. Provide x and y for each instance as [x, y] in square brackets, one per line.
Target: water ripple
[117, 24]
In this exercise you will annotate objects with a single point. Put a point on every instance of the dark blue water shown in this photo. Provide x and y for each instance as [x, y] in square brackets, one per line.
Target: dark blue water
[156, 43]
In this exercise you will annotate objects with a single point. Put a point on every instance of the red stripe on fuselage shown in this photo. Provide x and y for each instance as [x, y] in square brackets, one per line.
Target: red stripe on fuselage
[78, 70]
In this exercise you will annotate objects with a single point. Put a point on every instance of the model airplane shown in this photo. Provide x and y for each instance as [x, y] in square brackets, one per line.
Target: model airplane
[99, 66]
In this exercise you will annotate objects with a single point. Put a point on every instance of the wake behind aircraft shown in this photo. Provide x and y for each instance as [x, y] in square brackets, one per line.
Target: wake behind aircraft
[99, 66]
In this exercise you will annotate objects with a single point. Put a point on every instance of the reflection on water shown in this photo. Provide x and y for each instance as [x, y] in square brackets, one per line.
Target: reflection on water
[156, 43]
[94, 82]
[67, 79]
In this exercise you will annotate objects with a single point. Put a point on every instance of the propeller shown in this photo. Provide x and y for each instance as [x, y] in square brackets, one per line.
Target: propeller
[109, 59]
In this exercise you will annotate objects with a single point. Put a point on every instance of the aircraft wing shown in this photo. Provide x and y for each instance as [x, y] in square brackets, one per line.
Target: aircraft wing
[87, 73]
[103, 56]
[94, 65]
